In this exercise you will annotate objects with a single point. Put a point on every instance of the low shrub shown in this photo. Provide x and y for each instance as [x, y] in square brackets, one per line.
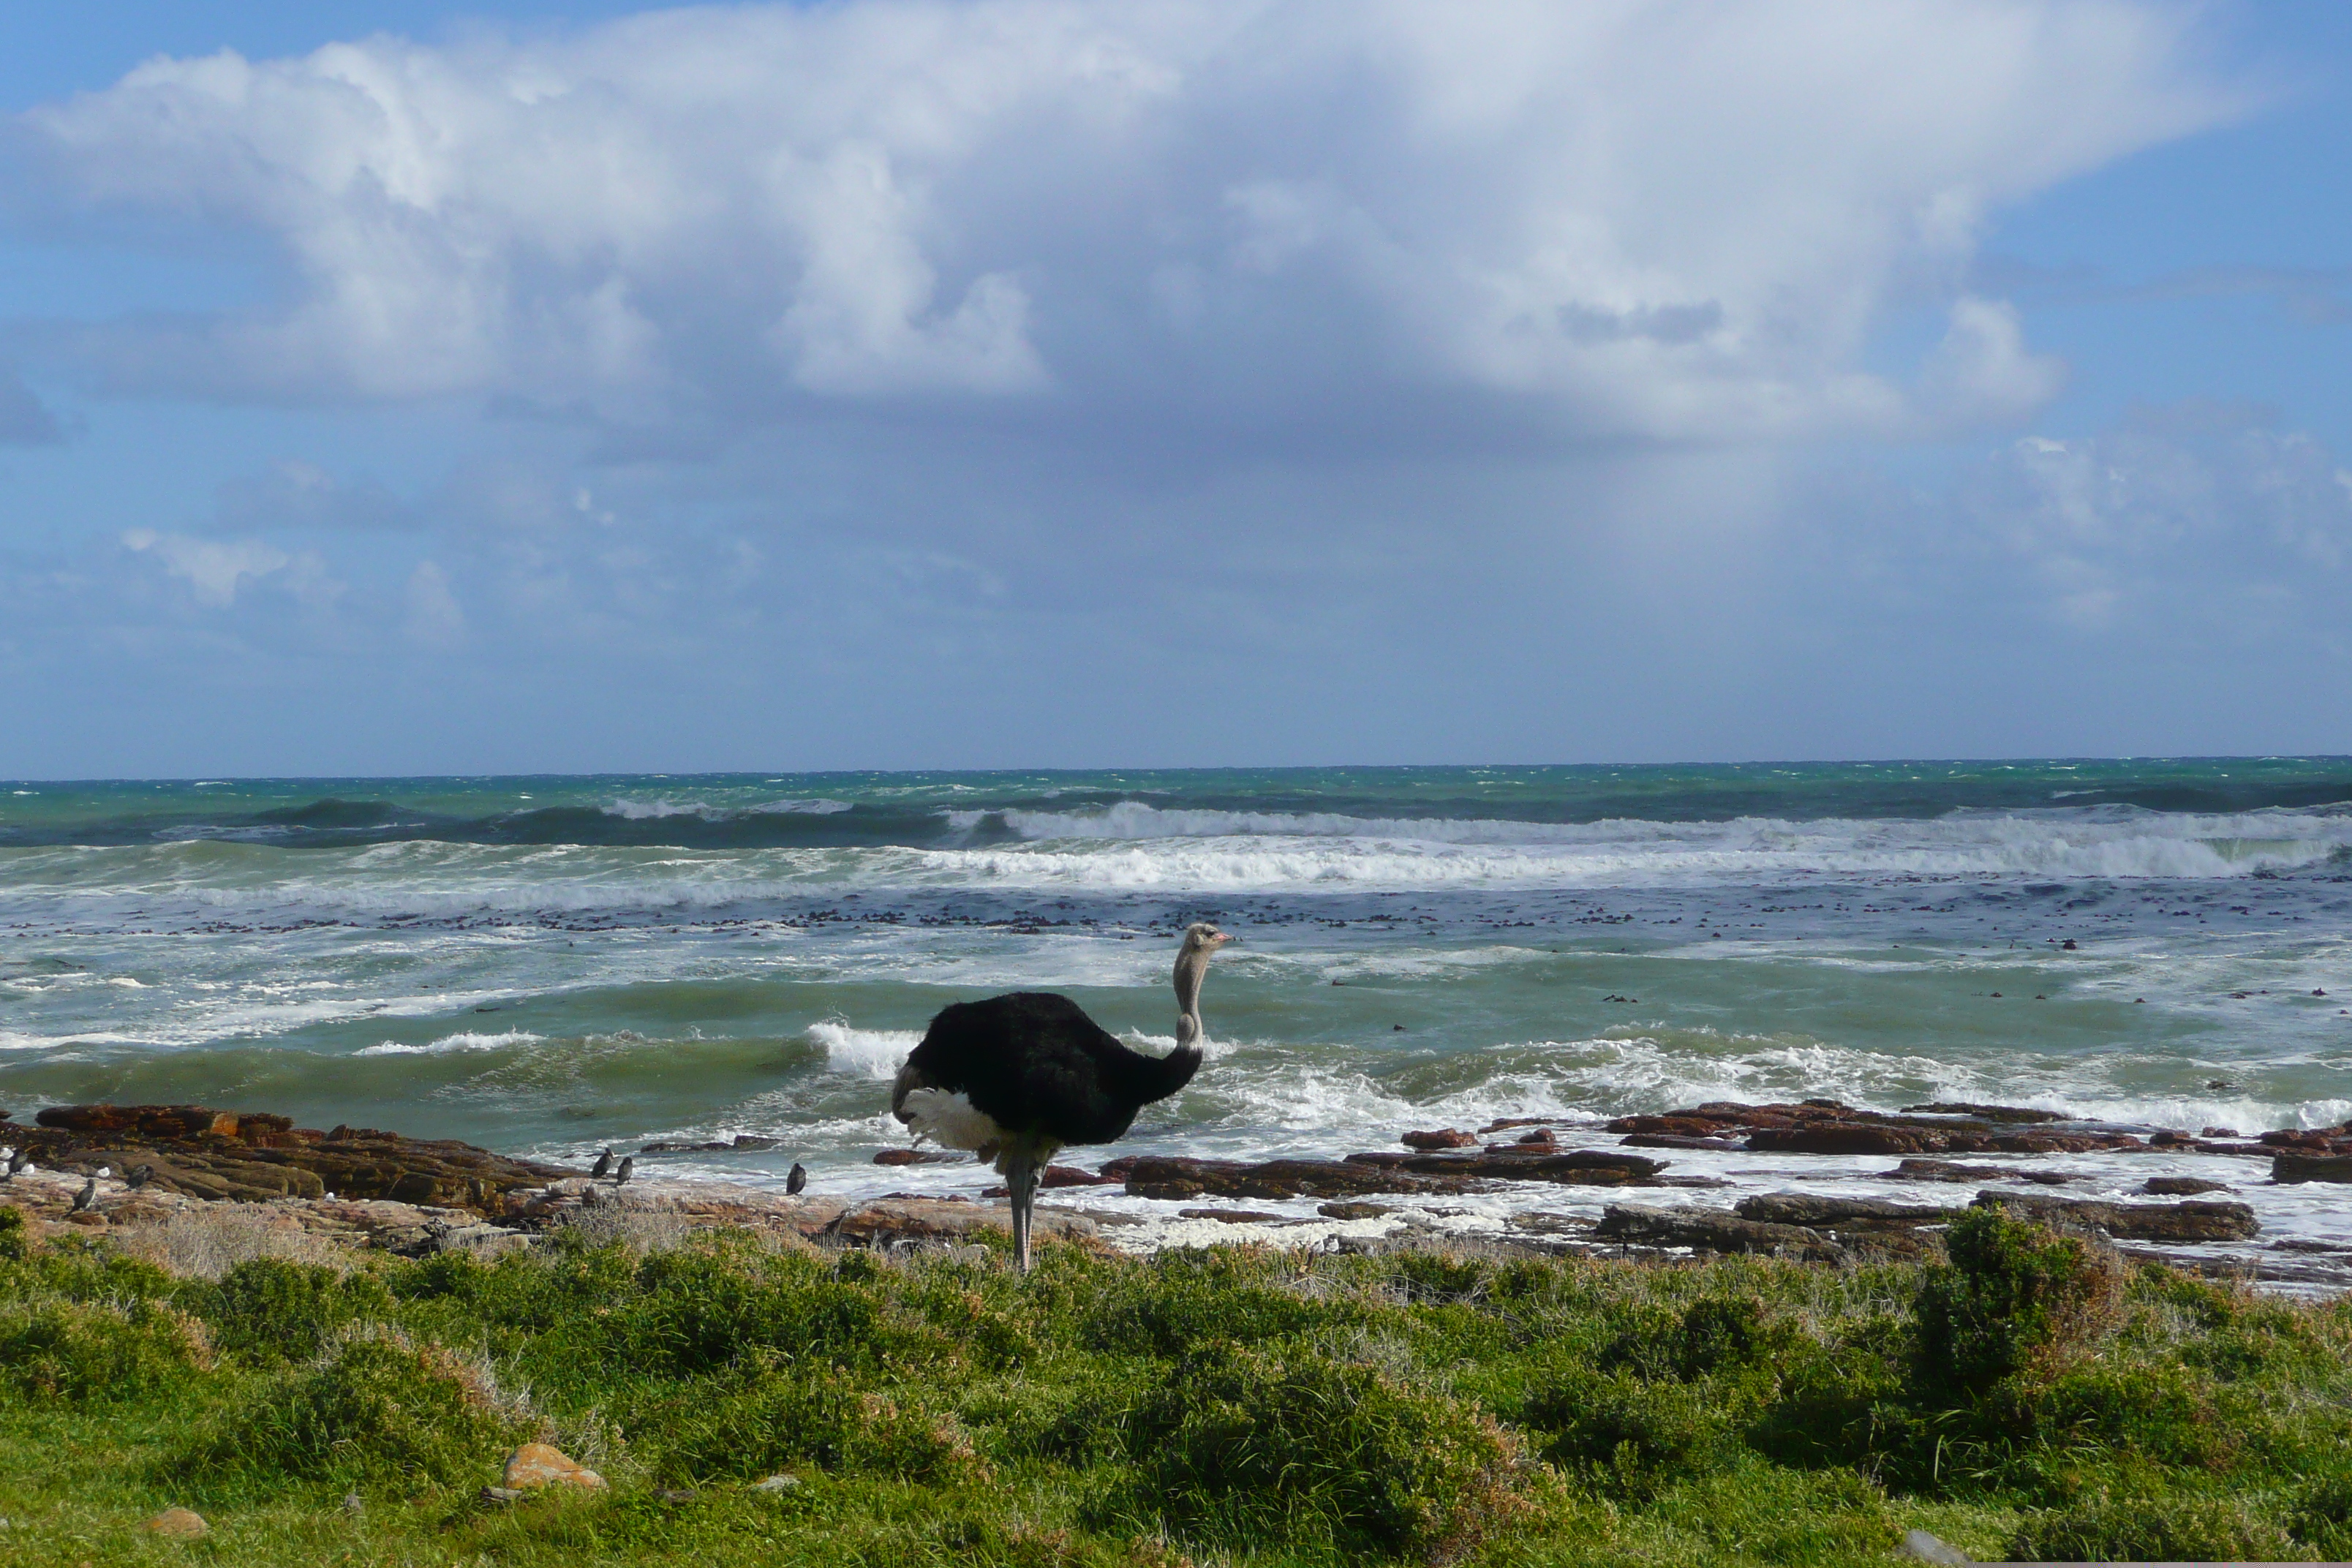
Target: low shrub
[2014, 1295]
[87, 1351]
[12, 1234]
[1633, 1437]
[1245, 1449]
[270, 1312]
[377, 1411]
[2146, 1526]
[778, 1415]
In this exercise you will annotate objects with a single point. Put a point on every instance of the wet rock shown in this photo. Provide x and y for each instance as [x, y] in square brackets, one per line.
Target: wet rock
[1072, 1177]
[1711, 1230]
[915, 1157]
[2182, 1222]
[537, 1465]
[1444, 1138]
[1171, 1178]
[1354, 1211]
[2180, 1186]
[1835, 1138]
[1505, 1123]
[2288, 1167]
[1533, 1163]
[1844, 1214]
[1947, 1170]
[179, 1524]
[1986, 1112]
[1678, 1141]
[1234, 1216]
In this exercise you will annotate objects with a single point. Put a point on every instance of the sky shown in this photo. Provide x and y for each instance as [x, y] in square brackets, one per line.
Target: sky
[402, 388]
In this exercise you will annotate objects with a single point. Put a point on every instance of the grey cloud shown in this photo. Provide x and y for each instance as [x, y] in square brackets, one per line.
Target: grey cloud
[296, 494]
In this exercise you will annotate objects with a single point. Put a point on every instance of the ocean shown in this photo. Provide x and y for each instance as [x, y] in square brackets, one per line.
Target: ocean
[551, 965]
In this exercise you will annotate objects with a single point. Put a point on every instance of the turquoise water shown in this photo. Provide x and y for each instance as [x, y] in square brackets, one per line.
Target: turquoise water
[553, 965]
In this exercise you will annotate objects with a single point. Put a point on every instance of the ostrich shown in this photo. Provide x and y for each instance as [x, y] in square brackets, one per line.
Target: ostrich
[1016, 1078]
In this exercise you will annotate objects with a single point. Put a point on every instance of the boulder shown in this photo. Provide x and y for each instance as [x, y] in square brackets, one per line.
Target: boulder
[1679, 1141]
[1848, 1138]
[1711, 1230]
[2182, 1222]
[1445, 1138]
[1347, 1211]
[1843, 1214]
[536, 1465]
[1234, 1216]
[915, 1157]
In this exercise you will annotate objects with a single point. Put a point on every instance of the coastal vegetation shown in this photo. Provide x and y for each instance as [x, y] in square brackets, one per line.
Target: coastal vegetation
[2026, 1393]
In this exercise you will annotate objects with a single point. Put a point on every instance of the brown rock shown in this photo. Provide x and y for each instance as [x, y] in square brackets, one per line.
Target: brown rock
[1445, 1138]
[1072, 1177]
[1711, 1230]
[914, 1157]
[1846, 1138]
[2183, 1222]
[536, 1465]
[1354, 1211]
[1538, 1162]
[1234, 1216]
[1678, 1141]
[2180, 1186]
[179, 1524]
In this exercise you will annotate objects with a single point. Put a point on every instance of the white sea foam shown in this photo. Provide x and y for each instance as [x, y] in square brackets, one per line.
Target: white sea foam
[646, 810]
[866, 1053]
[464, 1040]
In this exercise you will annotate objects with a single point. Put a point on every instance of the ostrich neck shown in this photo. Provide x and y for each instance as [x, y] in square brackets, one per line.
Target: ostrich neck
[1192, 968]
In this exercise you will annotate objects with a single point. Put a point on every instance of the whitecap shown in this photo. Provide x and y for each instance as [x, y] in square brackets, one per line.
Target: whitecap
[466, 1040]
[869, 1053]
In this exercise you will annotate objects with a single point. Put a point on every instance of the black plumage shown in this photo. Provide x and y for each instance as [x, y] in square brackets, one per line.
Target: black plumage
[1018, 1077]
[628, 1168]
[604, 1164]
[798, 1180]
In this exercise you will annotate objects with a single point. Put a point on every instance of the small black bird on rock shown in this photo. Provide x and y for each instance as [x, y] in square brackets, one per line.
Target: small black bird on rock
[628, 1168]
[604, 1164]
[798, 1180]
[88, 1198]
[19, 1160]
[140, 1176]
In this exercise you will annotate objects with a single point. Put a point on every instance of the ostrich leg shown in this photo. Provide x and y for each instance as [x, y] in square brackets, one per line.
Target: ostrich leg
[1020, 1183]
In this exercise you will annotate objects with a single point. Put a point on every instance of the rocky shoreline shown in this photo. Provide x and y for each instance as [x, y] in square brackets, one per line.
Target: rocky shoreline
[366, 1187]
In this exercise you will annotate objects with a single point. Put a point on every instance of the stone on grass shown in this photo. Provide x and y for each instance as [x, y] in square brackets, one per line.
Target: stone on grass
[777, 1484]
[179, 1524]
[536, 1465]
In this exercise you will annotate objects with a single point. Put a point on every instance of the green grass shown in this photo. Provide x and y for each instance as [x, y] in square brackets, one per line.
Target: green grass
[1241, 1406]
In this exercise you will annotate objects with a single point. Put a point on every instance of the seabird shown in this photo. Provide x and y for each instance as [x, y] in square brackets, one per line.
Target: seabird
[88, 1198]
[604, 1164]
[628, 1168]
[140, 1176]
[798, 1180]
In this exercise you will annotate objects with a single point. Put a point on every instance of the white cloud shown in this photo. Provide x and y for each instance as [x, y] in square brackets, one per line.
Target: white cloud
[1668, 221]
[435, 619]
[216, 569]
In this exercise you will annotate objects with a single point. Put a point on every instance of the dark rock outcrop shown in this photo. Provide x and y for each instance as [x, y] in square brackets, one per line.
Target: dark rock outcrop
[1843, 1214]
[1947, 1170]
[2181, 1187]
[1544, 1162]
[2291, 1168]
[1829, 1127]
[1712, 1230]
[1443, 1138]
[1171, 1179]
[2182, 1222]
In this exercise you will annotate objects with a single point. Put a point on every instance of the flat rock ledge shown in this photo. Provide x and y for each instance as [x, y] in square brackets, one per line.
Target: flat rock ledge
[1832, 1127]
